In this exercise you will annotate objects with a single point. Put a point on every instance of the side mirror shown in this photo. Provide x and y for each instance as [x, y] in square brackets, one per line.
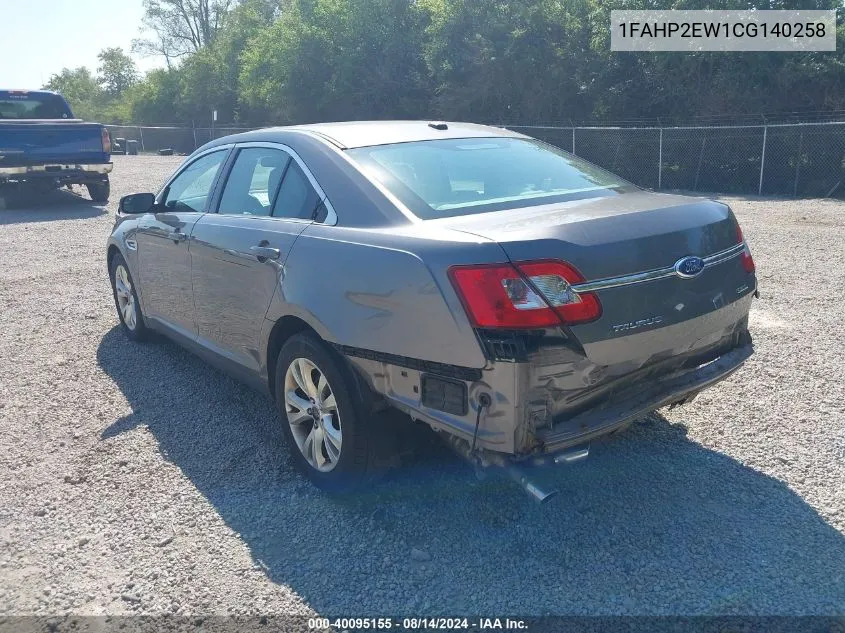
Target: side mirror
[137, 203]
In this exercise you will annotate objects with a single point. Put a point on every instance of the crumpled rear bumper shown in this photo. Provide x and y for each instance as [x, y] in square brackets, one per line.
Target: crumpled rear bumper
[547, 403]
[624, 408]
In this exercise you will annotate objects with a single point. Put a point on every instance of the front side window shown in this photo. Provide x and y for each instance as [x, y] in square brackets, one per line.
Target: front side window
[450, 177]
[253, 182]
[189, 191]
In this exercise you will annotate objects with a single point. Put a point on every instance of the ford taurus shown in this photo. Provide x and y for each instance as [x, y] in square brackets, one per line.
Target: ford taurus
[512, 296]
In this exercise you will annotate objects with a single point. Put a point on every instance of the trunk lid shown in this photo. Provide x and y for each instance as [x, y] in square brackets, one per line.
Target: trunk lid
[45, 142]
[625, 234]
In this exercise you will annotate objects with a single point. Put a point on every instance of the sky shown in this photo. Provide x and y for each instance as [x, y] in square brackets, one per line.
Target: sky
[40, 37]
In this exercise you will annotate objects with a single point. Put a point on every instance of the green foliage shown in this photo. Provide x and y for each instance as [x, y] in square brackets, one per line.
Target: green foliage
[102, 97]
[510, 61]
[117, 71]
[332, 59]
[157, 99]
[81, 90]
[683, 85]
[290, 61]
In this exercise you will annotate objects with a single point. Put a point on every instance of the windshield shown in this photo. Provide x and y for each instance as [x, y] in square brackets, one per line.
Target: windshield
[29, 105]
[436, 179]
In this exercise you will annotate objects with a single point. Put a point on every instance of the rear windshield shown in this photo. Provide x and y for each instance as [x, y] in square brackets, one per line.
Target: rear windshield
[451, 177]
[28, 105]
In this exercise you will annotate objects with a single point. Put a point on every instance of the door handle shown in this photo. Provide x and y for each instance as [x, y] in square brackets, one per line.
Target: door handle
[263, 253]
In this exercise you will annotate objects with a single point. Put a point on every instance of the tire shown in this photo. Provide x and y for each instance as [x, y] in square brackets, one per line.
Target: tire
[127, 304]
[99, 191]
[352, 462]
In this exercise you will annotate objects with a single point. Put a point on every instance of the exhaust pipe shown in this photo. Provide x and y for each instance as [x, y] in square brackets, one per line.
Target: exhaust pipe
[533, 490]
[569, 456]
[514, 471]
[573, 456]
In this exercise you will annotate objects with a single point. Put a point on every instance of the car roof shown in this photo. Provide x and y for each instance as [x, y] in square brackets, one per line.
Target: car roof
[351, 134]
[27, 91]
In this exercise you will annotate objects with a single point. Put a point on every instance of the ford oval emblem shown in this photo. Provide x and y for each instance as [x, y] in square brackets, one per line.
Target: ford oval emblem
[689, 267]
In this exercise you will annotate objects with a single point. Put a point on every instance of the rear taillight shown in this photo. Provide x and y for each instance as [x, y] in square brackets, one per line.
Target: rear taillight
[745, 256]
[523, 295]
[104, 136]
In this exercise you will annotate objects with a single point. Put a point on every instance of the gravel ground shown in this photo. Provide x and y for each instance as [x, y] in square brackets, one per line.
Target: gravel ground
[136, 479]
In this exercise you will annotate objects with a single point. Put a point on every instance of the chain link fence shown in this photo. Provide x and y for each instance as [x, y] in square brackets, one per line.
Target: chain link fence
[182, 140]
[791, 159]
[794, 159]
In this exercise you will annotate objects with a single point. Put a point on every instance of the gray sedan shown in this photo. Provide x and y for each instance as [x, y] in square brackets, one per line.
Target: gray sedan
[515, 298]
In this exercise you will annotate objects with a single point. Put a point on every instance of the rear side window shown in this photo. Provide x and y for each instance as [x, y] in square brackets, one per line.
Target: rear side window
[253, 182]
[297, 198]
[30, 105]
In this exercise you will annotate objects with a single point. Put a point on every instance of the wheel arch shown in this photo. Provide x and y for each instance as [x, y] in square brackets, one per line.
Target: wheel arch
[284, 328]
[289, 325]
[110, 253]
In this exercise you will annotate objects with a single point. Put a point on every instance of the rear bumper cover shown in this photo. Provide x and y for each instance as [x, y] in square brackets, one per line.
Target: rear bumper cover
[504, 429]
[671, 389]
[66, 172]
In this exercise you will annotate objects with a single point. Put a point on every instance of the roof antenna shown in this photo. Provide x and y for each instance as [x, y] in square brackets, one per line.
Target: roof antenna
[438, 125]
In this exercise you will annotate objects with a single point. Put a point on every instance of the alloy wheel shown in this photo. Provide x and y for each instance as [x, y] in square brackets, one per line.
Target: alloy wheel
[312, 413]
[125, 297]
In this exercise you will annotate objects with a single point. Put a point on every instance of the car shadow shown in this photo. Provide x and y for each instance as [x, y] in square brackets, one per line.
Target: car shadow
[17, 207]
[652, 523]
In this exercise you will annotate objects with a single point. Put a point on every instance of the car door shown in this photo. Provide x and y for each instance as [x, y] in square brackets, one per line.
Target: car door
[238, 252]
[162, 240]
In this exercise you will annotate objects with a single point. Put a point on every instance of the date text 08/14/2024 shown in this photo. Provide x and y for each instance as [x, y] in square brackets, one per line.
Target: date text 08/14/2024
[417, 623]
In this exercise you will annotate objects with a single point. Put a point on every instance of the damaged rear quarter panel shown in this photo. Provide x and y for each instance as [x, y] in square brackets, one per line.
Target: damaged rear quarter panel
[379, 291]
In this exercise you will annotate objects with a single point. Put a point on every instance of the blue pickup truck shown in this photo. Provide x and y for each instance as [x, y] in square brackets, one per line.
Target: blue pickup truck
[43, 147]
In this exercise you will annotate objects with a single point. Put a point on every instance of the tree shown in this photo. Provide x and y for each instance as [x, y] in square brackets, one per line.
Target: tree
[181, 27]
[80, 88]
[158, 99]
[117, 71]
[679, 86]
[502, 61]
[510, 61]
[210, 76]
[338, 59]
[206, 79]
